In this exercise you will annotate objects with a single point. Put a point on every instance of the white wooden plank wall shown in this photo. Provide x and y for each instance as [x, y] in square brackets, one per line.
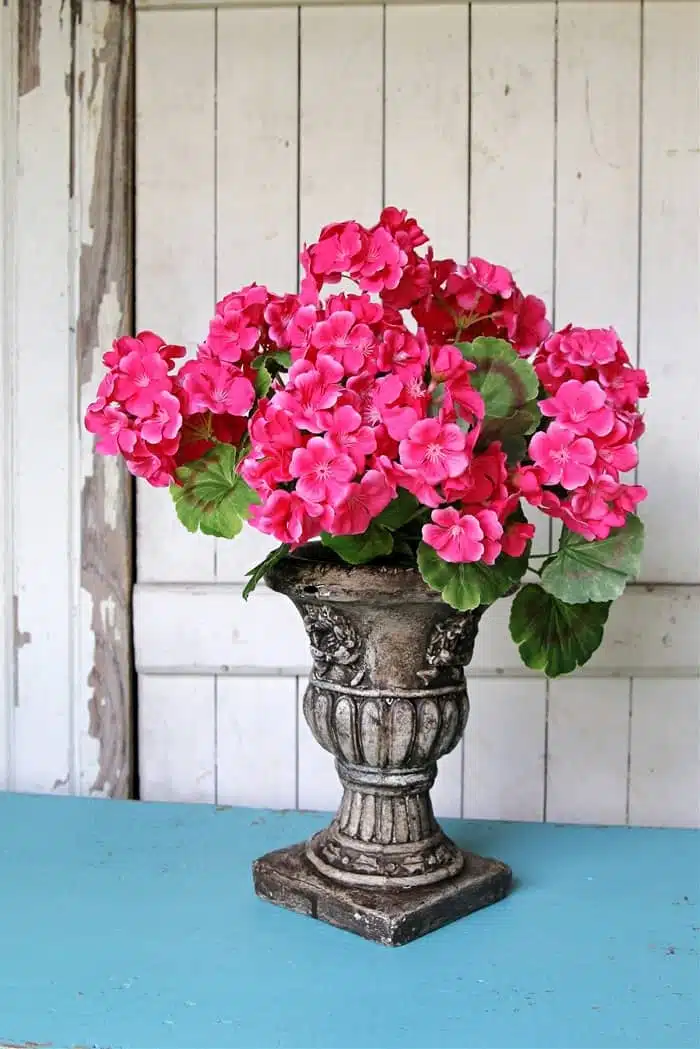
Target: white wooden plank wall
[561, 140]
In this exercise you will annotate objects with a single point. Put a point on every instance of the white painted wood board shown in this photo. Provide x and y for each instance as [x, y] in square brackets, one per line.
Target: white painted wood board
[44, 456]
[177, 735]
[256, 742]
[669, 285]
[8, 171]
[175, 236]
[210, 629]
[504, 750]
[664, 787]
[588, 750]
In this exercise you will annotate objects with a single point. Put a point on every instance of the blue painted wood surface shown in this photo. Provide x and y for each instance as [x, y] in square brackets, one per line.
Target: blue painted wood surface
[134, 925]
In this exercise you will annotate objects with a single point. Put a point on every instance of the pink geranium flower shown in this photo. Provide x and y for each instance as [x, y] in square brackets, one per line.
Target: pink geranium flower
[381, 263]
[563, 457]
[463, 538]
[496, 280]
[166, 421]
[580, 406]
[112, 427]
[214, 386]
[312, 388]
[624, 386]
[403, 353]
[434, 449]
[289, 518]
[516, 536]
[343, 338]
[140, 378]
[231, 334]
[616, 454]
[279, 315]
[322, 471]
[301, 328]
[347, 433]
[362, 502]
[336, 249]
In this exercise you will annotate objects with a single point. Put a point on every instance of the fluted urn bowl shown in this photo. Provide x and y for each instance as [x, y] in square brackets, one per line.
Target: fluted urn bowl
[387, 697]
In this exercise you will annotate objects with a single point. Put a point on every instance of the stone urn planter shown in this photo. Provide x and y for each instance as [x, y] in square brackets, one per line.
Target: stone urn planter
[387, 697]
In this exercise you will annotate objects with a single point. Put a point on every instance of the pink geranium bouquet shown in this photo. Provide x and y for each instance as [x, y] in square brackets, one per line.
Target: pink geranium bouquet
[407, 419]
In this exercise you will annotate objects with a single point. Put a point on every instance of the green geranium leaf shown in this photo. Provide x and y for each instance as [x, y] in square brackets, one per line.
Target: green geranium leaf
[595, 571]
[520, 423]
[466, 586]
[506, 382]
[399, 511]
[281, 357]
[263, 380]
[554, 636]
[211, 497]
[511, 432]
[359, 549]
[255, 575]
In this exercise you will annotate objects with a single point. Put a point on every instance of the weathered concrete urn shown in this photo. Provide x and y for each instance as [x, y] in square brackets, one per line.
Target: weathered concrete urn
[387, 697]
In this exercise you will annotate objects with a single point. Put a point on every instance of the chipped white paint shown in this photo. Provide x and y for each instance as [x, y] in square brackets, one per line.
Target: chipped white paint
[54, 97]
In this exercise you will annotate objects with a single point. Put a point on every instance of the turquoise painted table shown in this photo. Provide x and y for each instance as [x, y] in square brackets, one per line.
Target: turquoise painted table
[134, 925]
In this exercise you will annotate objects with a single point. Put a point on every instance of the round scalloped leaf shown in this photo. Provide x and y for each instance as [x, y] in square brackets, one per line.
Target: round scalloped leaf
[466, 586]
[595, 571]
[506, 381]
[359, 549]
[554, 636]
[212, 498]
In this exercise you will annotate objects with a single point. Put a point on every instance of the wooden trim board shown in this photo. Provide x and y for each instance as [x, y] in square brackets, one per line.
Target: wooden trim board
[652, 631]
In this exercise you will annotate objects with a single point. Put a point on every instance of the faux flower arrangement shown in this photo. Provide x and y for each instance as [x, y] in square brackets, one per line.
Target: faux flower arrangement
[405, 420]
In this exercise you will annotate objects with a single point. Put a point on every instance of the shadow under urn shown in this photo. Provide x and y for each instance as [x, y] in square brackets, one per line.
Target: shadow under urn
[387, 697]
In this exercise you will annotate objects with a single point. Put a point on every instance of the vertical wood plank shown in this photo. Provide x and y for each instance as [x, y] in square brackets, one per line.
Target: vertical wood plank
[670, 279]
[177, 738]
[504, 750]
[664, 787]
[256, 180]
[588, 751]
[175, 236]
[427, 102]
[8, 175]
[512, 153]
[340, 116]
[256, 761]
[596, 253]
[46, 556]
[512, 162]
[512, 141]
[103, 192]
[319, 786]
[598, 166]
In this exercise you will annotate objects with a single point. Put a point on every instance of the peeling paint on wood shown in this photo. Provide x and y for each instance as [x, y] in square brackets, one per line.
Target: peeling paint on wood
[103, 119]
[28, 46]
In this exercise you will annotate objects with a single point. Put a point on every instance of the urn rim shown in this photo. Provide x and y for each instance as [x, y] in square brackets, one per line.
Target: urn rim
[313, 571]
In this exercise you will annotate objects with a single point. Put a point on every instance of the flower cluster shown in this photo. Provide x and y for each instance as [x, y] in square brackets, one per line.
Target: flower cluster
[590, 441]
[337, 404]
[372, 405]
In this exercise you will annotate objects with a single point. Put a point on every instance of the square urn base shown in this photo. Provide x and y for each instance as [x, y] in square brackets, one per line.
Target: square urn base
[285, 877]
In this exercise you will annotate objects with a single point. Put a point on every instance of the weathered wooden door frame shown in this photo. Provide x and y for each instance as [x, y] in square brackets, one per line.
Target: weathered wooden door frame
[67, 156]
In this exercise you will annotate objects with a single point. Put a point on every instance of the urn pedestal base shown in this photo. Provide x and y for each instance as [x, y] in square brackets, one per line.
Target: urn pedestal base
[393, 917]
